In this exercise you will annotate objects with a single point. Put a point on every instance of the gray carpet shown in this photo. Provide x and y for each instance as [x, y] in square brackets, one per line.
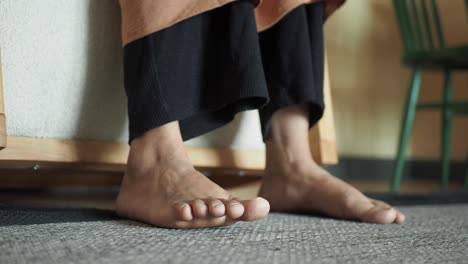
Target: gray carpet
[432, 234]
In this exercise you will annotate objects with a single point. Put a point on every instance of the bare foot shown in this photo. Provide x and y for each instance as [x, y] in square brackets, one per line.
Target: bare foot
[310, 189]
[162, 188]
[295, 183]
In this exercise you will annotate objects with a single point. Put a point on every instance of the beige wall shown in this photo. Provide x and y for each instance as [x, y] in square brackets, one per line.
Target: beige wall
[369, 84]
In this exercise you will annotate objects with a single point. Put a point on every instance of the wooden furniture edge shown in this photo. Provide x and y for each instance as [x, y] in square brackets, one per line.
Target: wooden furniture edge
[89, 155]
[3, 135]
[26, 152]
[322, 137]
[48, 163]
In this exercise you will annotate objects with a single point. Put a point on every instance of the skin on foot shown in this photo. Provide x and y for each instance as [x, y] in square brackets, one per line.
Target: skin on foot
[295, 183]
[310, 189]
[161, 187]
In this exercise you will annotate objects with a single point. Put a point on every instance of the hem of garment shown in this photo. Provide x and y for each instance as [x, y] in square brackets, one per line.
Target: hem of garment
[307, 93]
[206, 121]
[315, 113]
[196, 122]
[151, 103]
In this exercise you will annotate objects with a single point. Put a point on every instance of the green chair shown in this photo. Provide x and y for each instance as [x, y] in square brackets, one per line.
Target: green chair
[425, 49]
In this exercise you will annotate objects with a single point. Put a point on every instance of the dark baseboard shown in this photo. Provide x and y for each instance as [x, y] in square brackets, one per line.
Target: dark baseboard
[350, 168]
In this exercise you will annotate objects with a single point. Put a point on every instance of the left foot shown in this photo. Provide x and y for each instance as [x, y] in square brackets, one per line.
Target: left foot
[293, 182]
[307, 188]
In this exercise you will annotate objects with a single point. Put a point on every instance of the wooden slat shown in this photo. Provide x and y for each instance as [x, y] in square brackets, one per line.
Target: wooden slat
[322, 137]
[2, 108]
[3, 132]
[24, 152]
[3, 135]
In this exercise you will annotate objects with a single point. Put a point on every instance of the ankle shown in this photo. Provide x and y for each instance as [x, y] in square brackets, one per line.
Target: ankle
[289, 168]
[289, 155]
[290, 162]
[289, 133]
[290, 121]
[162, 147]
[164, 137]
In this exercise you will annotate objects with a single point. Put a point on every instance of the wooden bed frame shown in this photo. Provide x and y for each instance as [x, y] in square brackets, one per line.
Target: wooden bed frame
[44, 154]
[3, 134]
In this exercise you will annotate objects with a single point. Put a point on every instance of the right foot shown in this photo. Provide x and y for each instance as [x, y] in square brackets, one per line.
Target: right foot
[161, 187]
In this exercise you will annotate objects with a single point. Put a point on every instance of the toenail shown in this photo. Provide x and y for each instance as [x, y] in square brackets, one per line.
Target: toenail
[182, 205]
[217, 204]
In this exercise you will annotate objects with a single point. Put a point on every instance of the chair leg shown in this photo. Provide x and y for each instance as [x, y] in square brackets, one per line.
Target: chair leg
[447, 114]
[407, 127]
[466, 6]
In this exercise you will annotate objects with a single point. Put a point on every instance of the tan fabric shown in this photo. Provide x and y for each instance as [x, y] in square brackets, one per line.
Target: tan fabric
[143, 17]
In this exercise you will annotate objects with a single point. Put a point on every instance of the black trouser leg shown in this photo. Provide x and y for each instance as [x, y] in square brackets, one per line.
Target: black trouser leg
[205, 69]
[201, 72]
[293, 58]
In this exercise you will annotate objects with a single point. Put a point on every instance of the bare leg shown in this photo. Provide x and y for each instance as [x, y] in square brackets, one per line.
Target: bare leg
[161, 187]
[295, 183]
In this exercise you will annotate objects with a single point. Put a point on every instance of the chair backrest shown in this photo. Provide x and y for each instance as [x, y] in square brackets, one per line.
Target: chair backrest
[420, 24]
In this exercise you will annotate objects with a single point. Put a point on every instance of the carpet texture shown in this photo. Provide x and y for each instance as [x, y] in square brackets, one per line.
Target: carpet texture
[431, 234]
[29, 216]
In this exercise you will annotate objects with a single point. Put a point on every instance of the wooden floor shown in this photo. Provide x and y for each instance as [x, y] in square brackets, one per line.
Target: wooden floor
[24, 190]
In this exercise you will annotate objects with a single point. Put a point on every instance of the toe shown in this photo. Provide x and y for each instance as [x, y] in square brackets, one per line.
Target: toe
[255, 209]
[216, 208]
[372, 211]
[380, 203]
[400, 217]
[206, 222]
[183, 211]
[199, 208]
[234, 209]
[380, 215]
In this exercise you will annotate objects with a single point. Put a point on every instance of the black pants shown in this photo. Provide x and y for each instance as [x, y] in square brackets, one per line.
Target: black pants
[204, 70]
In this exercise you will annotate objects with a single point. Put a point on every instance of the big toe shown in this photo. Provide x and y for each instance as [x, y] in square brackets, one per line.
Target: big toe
[399, 218]
[255, 209]
[380, 215]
